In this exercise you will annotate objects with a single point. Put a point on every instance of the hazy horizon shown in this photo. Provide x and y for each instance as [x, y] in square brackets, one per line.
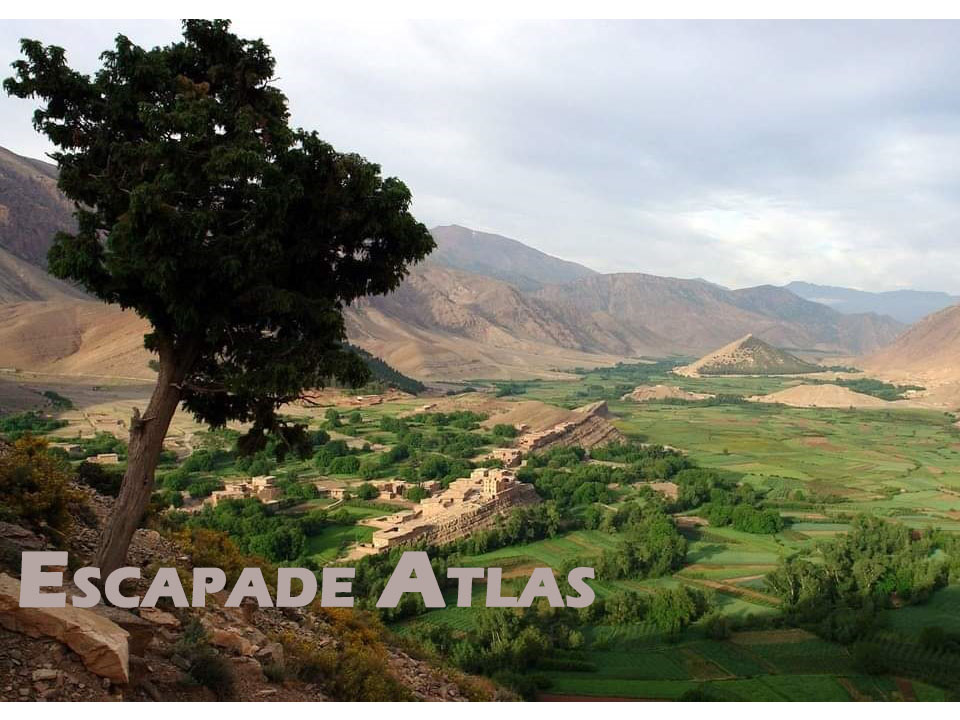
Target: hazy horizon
[744, 153]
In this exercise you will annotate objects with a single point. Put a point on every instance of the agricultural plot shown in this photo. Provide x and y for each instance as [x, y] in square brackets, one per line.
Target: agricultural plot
[754, 668]
[888, 462]
[330, 542]
[941, 610]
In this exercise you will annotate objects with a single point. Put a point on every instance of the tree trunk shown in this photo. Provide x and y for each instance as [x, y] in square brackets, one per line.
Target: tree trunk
[146, 442]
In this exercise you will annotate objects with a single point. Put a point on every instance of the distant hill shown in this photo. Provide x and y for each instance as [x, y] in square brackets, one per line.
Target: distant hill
[748, 356]
[499, 257]
[32, 210]
[907, 306]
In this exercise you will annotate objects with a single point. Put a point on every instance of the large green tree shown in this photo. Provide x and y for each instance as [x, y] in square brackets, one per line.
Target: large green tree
[239, 238]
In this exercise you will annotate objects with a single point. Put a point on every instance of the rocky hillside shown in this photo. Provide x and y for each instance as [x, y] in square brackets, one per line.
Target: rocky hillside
[184, 654]
[501, 258]
[747, 356]
[32, 210]
[692, 316]
[928, 351]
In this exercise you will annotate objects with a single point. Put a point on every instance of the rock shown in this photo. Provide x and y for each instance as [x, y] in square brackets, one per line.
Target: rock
[46, 674]
[267, 692]
[103, 646]
[19, 538]
[233, 641]
[271, 653]
[141, 631]
[159, 617]
[24, 692]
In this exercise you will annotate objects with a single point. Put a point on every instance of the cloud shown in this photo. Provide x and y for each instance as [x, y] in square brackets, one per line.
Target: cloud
[743, 152]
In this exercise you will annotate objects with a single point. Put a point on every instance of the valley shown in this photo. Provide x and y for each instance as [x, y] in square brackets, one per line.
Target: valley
[707, 450]
[816, 469]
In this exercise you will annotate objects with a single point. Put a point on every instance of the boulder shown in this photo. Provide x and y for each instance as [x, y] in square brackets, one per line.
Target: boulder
[159, 617]
[272, 652]
[233, 641]
[141, 632]
[103, 646]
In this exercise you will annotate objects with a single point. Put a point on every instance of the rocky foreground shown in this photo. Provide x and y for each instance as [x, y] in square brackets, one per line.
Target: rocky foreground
[247, 653]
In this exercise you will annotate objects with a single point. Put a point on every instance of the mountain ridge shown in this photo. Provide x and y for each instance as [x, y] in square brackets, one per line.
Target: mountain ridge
[907, 306]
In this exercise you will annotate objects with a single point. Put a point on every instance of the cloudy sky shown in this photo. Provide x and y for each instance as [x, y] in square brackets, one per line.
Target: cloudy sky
[741, 152]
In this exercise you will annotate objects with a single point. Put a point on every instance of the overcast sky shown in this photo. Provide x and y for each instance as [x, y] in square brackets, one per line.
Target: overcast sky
[741, 152]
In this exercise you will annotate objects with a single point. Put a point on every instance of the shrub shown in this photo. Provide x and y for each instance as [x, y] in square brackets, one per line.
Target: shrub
[206, 666]
[101, 479]
[35, 487]
[367, 492]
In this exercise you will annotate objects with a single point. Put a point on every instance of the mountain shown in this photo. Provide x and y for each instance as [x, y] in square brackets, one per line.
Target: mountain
[73, 337]
[32, 210]
[907, 306]
[448, 324]
[21, 280]
[501, 258]
[928, 352]
[483, 306]
[692, 317]
[748, 355]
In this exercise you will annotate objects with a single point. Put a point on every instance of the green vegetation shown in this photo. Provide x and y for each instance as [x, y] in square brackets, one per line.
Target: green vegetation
[248, 312]
[878, 388]
[13, 427]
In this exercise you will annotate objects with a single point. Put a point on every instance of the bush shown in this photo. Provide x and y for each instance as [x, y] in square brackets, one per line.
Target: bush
[35, 487]
[203, 487]
[206, 666]
[104, 481]
[416, 494]
[367, 492]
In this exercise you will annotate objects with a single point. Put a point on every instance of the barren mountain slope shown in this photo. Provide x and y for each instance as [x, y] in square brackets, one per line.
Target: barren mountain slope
[32, 210]
[928, 351]
[21, 280]
[499, 257]
[73, 337]
[444, 324]
[694, 316]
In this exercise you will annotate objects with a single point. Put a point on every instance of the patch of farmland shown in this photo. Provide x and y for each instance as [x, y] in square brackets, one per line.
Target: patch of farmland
[943, 610]
[586, 684]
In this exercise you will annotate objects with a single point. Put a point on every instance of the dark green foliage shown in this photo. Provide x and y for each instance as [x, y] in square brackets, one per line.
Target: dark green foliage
[57, 400]
[416, 494]
[506, 389]
[236, 236]
[878, 388]
[103, 479]
[257, 531]
[13, 427]
[206, 666]
[203, 487]
[382, 373]
[503, 430]
[366, 491]
[861, 573]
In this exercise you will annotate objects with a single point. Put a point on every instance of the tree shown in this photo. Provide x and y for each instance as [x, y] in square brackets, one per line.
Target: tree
[239, 238]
